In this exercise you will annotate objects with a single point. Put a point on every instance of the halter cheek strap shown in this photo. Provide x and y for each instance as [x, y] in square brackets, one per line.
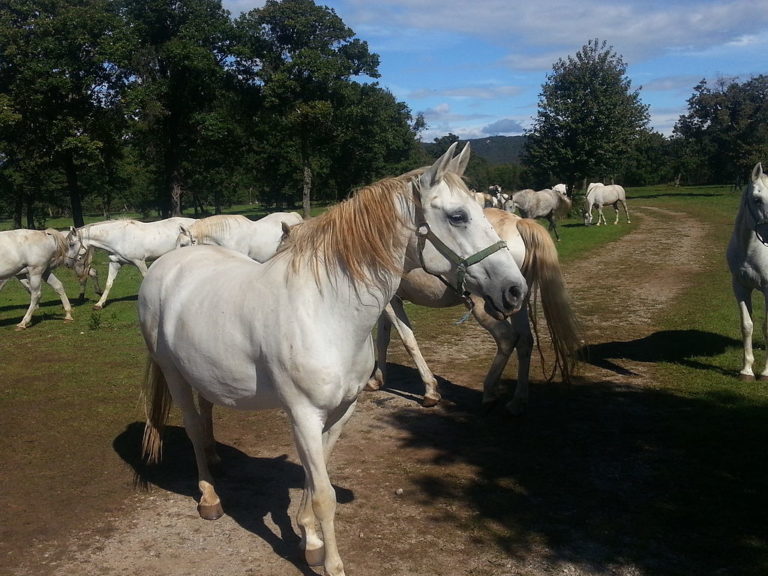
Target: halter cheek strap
[424, 233]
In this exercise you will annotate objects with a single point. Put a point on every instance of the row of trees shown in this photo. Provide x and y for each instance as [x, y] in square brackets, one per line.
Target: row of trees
[164, 105]
[158, 104]
[591, 124]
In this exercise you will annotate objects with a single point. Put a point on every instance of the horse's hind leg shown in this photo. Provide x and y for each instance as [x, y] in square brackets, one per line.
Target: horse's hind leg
[553, 226]
[34, 287]
[56, 284]
[206, 413]
[209, 506]
[383, 335]
[626, 211]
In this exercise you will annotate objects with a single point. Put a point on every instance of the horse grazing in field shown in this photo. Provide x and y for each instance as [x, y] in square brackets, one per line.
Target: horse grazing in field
[546, 204]
[295, 332]
[599, 195]
[536, 255]
[126, 242]
[747, 257]
[31, 255]
[257, 239]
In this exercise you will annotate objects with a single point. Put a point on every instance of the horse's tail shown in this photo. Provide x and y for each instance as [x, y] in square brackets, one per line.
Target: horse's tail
[157, 403]
[542, 270]
[563, 206]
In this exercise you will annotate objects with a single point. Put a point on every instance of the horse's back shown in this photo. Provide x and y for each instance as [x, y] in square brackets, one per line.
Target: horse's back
[23, 248]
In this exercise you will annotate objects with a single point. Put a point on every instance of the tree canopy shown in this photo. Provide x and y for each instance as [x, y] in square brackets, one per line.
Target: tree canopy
[588, 117]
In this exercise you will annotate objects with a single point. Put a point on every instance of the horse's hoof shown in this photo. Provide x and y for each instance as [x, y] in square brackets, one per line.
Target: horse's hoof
[430, 401]
[516, 407]
[315, 557]
[372, 385]
[19, 328]
[97, 306]
[762, 377]
[747, 377]
[210, 511]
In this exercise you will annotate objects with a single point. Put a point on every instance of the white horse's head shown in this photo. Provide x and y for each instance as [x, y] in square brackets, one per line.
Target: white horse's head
[458, 244]
[185, 238]
[756, 196]
[76, 249]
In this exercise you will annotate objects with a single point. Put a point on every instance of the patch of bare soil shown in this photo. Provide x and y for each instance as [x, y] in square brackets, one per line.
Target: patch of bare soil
[443, 491]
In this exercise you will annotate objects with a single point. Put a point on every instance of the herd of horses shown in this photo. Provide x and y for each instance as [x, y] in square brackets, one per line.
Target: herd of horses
[300, 299]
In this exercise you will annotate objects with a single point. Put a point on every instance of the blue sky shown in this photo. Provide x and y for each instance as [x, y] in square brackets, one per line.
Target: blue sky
[476, 67]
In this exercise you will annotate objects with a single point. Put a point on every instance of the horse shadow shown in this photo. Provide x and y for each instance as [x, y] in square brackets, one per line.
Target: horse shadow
[673, 346]
[250, 488]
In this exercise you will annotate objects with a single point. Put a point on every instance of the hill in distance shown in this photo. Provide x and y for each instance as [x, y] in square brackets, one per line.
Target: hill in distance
[494, 149]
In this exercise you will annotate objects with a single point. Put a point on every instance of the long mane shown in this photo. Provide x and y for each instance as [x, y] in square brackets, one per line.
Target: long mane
[216, 225]
[360, 237]
[60, 242]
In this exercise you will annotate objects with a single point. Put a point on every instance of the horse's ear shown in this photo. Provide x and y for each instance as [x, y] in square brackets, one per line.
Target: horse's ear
[757, 172]
[460, 162]
[435, 173]
[286, 228]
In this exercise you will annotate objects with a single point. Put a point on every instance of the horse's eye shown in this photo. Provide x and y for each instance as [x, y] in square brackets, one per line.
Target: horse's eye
[458, 218]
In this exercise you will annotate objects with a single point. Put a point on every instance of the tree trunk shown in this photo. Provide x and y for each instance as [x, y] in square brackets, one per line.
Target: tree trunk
[176, 192]
[307, 188]
[73, 187]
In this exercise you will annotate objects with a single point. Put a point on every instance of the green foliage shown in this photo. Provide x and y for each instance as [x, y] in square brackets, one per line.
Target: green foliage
[725, 132]
[587, 119]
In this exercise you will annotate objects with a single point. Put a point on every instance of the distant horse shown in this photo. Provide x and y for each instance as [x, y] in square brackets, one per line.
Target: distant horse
[257, 239]
[126, 242]
[599, 195]
[31, 255]
[561, 188]
[295, 332]
[748, 262]
[546, 204]
[536, 255]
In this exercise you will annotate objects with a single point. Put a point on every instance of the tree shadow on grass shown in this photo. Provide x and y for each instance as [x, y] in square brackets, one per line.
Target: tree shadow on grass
[672, 346]
[606, 477]
[250, 488]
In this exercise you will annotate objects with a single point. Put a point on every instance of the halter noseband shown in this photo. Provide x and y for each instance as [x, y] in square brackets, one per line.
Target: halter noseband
[424, 233]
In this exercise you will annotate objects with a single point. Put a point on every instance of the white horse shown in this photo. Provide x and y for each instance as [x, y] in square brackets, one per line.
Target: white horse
[31, 255]
[545, 203]
[536, 255]
[295, 332]
[126, 242]
[257, 239]
[748, 262]
[561, 188]
[599, 195]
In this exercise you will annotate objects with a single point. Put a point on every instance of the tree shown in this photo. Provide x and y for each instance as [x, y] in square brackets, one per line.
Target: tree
[302, 55]
[174, 54]
[588, 117]
[56, 84]
[725, 132]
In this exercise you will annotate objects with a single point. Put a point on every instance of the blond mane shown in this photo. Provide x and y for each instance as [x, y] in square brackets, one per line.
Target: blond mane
[60, 241]
[216, 225]
[360, 237]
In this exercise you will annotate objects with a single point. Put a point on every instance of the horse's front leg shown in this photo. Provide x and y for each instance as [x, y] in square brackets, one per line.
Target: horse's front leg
[764, 374]
[403, 326]
[114, 268]
[318, 502]
[744, 300]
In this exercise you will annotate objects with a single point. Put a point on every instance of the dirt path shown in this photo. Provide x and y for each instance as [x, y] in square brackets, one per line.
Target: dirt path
[438, 491]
